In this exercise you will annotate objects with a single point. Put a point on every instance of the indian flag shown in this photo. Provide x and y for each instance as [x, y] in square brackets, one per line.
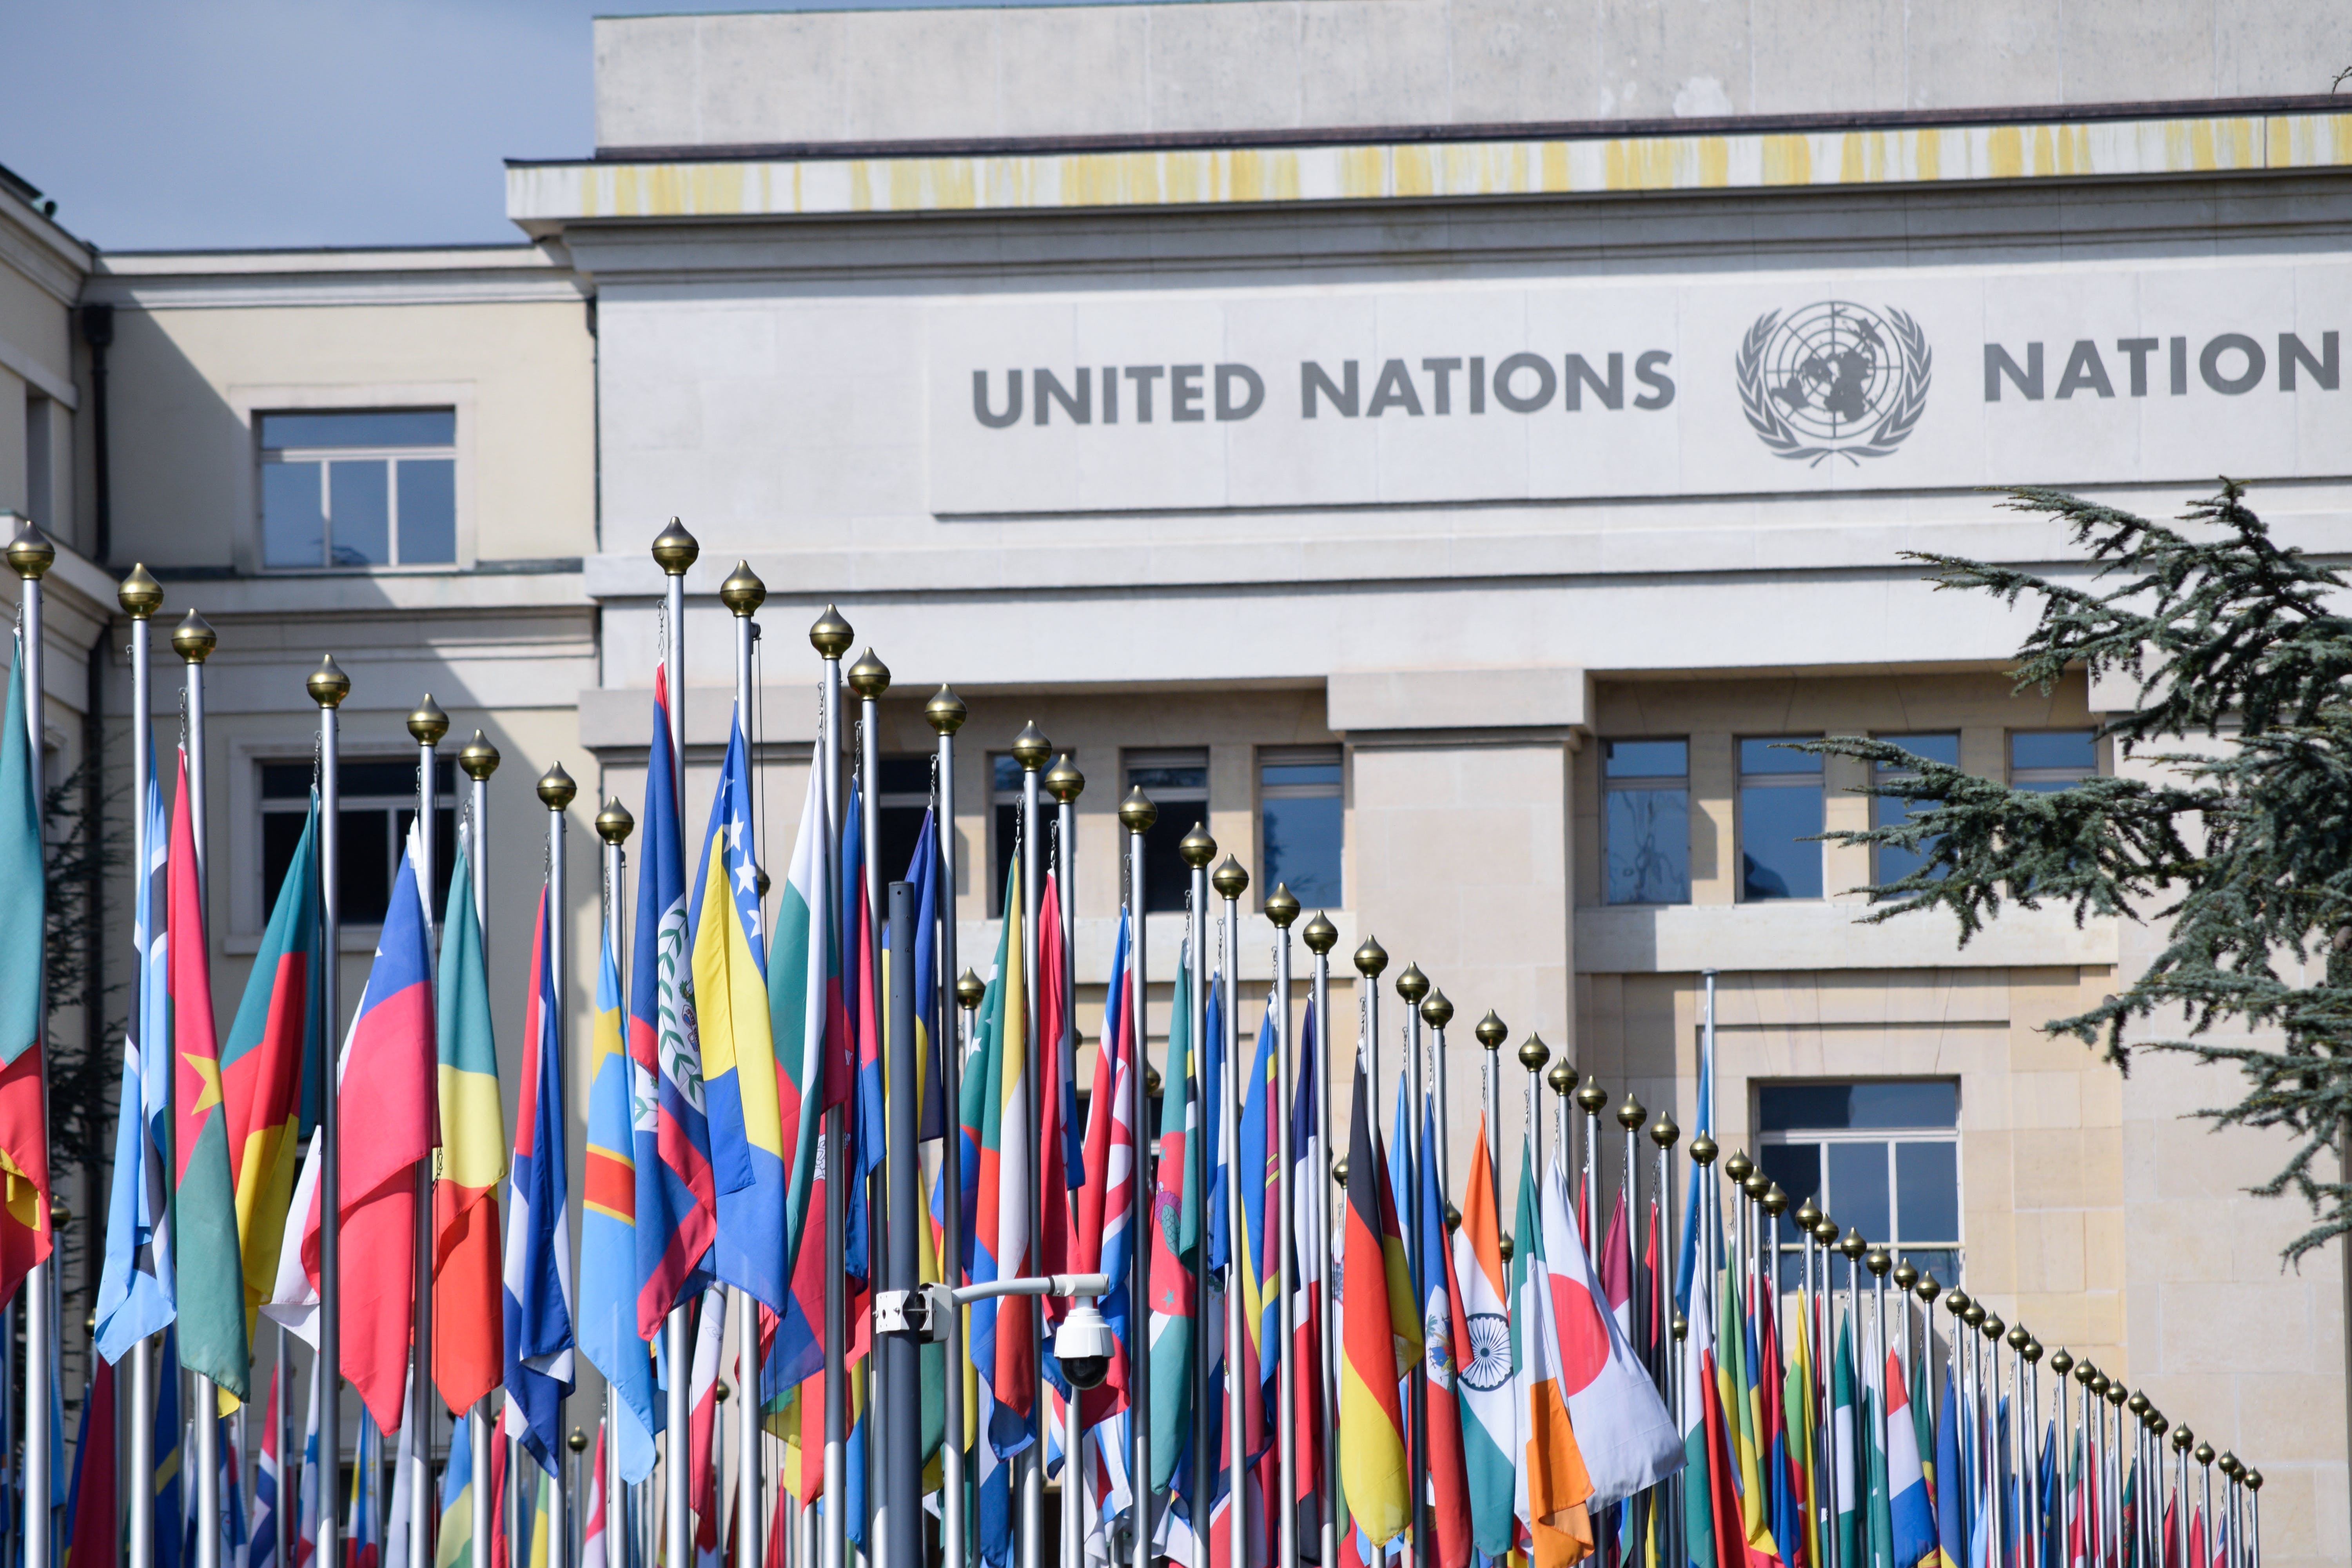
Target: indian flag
[1490, 1412]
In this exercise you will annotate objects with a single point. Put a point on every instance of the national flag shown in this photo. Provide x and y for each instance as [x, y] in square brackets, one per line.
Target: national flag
[234, 1521]
[1951, 1512]
[804, 1015]
[538, 1275]
[702, 1425]
[1175, 1241]
[1617, 1270]
[91, 1537]
[381, 1086]
[362, 1532]
[136, 1284]
[595, 1536]
[1491, 1441]
[1445, 1337]
[1623, 1428]
[1804, 1443]
[456, 1545]
[1258, 1164]
[1553, 1486]
[739, 1047]
[468, 1316]
[1684, 1271]
[1374, 1343]
[25, 1237]
[609, 1281]
[306, 1505]
[275, 1049]
[1103, 1241]
[1005, 1341]
[1307, 1176]
[1772, 1430]
[269, 1478]
[674, 1213]
[1711, 1525]
[403, 1519]
[1737, 1377]
[1843, 1456]
[1914, 1524]
[1061, 1168]
[171, 1446]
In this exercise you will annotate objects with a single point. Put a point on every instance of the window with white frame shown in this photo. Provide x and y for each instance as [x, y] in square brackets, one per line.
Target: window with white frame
[378, 802]
[350, 488]
[1881, 1158]
[1302, 819]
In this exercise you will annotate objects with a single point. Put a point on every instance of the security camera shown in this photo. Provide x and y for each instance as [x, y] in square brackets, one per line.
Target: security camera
[1083, 1345]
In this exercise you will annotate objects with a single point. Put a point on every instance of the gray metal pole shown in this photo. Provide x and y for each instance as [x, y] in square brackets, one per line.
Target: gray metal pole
[830, 636]
[902, 1388]
[946, 713]
[426, 725]
[1031, 749]
[557, 790]
[1321, 936]
[869, 679]
[140, 597]
[1137, 815]
[1232, 882]
[193, 641]
[1282, 909]
[479, 759]
[327, 686]
[1065, 783]
[1198, 849]
[612, 825]
[674, 550]
[1412, 986]
[743, 594]
[30, 553]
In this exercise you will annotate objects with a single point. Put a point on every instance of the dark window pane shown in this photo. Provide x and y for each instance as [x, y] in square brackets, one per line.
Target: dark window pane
[1928, 1191]
[1914, 1103]
[896, 831]
[1770, 755]
[1165, 875]
[2051, 749]
[293, 521]
[1894, 862]
[1005, 773]
[1647, 759]
[1804, 1107]
[444, 851]
[374, 428]
[1943, 1263]
[1276, 774]
[908, 775]
[377, 778]
[285, 781]
[1776, 860]
[1857, 1183]
[281, 832]
[1302, 847]
[359, 509]
[1648, 836]
[364, 879]
[428, 511]
[1008, 831]
[1797, 1168]
[1944, 749]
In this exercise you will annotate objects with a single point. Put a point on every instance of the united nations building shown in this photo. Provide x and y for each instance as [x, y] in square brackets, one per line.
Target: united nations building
[1449, 449]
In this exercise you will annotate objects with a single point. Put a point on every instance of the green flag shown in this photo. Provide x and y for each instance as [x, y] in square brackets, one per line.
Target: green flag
[1175, 1248]
[1843, 1470]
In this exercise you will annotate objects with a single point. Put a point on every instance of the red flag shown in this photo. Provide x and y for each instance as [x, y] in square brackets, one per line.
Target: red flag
[1053, 1019]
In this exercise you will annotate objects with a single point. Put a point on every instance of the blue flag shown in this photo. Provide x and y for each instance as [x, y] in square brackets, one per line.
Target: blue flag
[538, 1275]
[135, 1286]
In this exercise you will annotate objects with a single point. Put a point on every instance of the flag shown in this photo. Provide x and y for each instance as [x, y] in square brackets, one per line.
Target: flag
[1951, 1515]
[306, 1515]
[1804, 1442]
[702, 1425]
[1443, 1469]
[1059, 1167]
[538, 1276]
[1004, 1339]
[268, 1064]
[136, 1284]
[1710, 1505]
[455, 1548]
[1371, 1425]
[595, 1535]
[1843, 1458]
[91, 1541]
[388, 1062]
[1103, 1241]
[362, 1534]
[1913, 1532]
[1306, 1260]
[403, 1519]
[1490, 1416]
[1553, 1485]
[24, 892]
[469, 1333]
[1257, 1162]
[1175, 1239]
[674, 1217]
[803, 1016]
[1623, 1428]
[609, 1281]
[268, 1479]
[171, 1446]
[739, 1047]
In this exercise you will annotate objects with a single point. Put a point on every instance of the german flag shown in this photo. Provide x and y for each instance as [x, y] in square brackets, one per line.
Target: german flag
[1377, 1325]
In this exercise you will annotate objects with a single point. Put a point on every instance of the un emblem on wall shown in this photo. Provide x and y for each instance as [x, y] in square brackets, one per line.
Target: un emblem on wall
[1834, 379]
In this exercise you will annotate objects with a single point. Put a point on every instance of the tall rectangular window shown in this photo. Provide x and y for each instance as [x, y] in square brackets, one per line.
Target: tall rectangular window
[1004, 821]
[359, 488]
[1886, 811]
[1880, 1158]
[2052, 759]
[1779, 814]
[904, 797]
[1645, 825]
[1301, 816]
[1178, 783]
[378, 804]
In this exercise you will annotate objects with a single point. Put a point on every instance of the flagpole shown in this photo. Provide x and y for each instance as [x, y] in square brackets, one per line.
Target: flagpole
[1320, 937]
[141, 596]
[742, 593]
[1065, 783]
[1197, 849]
[1137, 815]
[1533, 1055]
[1231, 881]
[2183, 1439]
[946, 712]
[328, 686]
[902, 1511]
[1592, 1100]
[2254, 1519]
[613, 826]
[31, 554]
[831, 636]
[1412, 989]
[674, 550]
[479, 760]
[1370, 959]
[1437, 1012]
[1282, 909]
[1562, 1079]
[557, 791]
[428, 724]
[1664, 1133]
[970, 990]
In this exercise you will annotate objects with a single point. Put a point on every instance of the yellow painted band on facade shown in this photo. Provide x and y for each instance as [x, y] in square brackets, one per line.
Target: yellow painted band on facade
[1422, 170]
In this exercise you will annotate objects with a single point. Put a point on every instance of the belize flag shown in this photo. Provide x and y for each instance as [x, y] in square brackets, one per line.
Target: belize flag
[675, 1215]
[538, 1261]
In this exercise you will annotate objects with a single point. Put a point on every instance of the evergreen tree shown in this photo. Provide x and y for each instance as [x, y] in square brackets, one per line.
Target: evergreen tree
[2241, 843]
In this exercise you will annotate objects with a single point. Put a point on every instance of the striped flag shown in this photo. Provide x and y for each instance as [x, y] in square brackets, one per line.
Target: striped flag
[1257, 1264]
[804, 1008]
[25, 1237]
[306, 1505]
[1004, 1334]
[537, 1278]
[136, 1284]
[1556, 1485]
[675, 1209]
[1490, 1414]
[1104, 1239]
[1844, 1462]
[595, 1535]
[609, 1282]
[404, 1516]
[363, 1530]
[702, 1425]
[1951, 1512]
[1175, 1239]
[469, 1333]
[1913, 1524]
[1375, 1356]
[268, 1479]
[1446, 1335]
[1306, 1295]
[456, 1545]
[1710, 1504]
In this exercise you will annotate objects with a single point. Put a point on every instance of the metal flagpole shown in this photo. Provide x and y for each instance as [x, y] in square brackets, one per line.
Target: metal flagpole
[1320, 937]
[614, 825]
[1664, 1133]
[742, 593]
[1198, 849]
[674, 550]
[1031, 750]
[192, 641]
[141, 596]
[831, 636]
[870, 678]
[902, 1477]
[1533, 1055]
[2061, 1363]
[479, 760]
[1282, 909]
[426, 725]
[1232, 882]
[1065, 783]
[1412, 988]
[970, 992]
[31, 554]
[1137, 815]
[557, 791]
[1592, 1100]
[327, 686]
[2204, 1459]
[2254, 1519]
[1880, 1262]
[1562, 1077]
[1491, 1032]
[945, 714]
[1370, 959]
[2183, 1439]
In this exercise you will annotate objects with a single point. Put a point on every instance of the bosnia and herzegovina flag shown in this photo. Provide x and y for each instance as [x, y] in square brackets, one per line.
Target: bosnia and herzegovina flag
[1372, 1424]
[25, 1235]
[608, 1235]
[538, 1275]
[278, 1030]
[468, 1336]
[204, 1194]
[738, 1053]
[669, 1134]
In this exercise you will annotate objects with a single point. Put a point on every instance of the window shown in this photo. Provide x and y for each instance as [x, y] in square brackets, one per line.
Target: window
[905, 796]
[1886, 811]
[1882, 1158]
[359, 488]
[1301, 817]
[1178, 783]
[2052, 759]
[379, 802]
[40, 483]
[1005, 806]
[1645, 824]
[1779, 812]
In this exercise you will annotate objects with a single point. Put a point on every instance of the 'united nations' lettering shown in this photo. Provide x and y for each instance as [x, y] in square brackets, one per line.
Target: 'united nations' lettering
[1833, 380]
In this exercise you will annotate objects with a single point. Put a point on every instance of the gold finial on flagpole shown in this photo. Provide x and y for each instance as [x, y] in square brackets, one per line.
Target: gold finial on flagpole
[1491, 1031]
[1435, 1010]
[1320, 935]
[193, 638]
[2031, 1351]
[2019, 1337]
[1880, 1261]
[1562, 1077]
[2182, 1437]
[1280, 907]
[675, 550]
[427, 723]
[556, 788]
[1775, 1202]
[479, 759]
[1906, 1277]
[2061, 1363]
[744, 593]
[1534, 1053]
[1063, 781]
[1927, 1290]
[1992, 1327]
[1196, 848]
[1633, 1113]
[830, 634]
[870, 678]
[328, 685]
[1592, 1100]
[139, 594]
[1413, 984]
[1738, 1165]
[1663, 1131]
[1703, 1150]
[947, 712]
[971, 990]
[1136, 813]
[1370, 958]
[30, 553]
[613, 823]
[1230, 880]
[1757, 1184]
